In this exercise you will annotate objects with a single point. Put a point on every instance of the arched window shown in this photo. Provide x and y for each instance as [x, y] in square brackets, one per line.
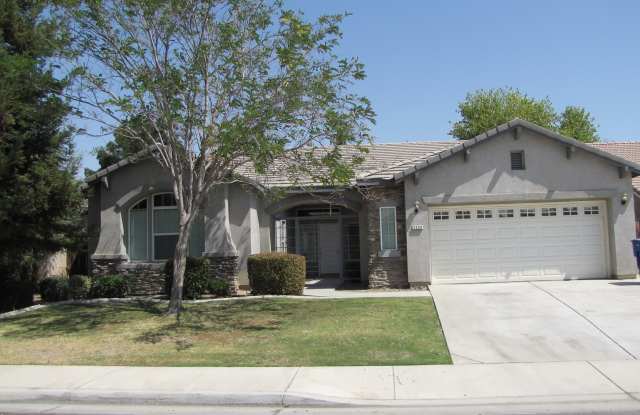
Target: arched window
[154, 227]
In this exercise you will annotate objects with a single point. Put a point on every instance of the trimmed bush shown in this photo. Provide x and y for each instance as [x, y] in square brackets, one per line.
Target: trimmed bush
[79, 287]
[54, 289]
[109, 286]
[15, 294]
[196, 278]
[276, 273]
[218, 287]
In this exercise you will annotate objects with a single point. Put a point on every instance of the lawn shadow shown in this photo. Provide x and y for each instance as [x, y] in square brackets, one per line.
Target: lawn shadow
[77, 318]
[199, 319]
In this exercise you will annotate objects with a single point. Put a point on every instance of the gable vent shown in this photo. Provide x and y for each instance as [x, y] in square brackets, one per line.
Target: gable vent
[517, 160]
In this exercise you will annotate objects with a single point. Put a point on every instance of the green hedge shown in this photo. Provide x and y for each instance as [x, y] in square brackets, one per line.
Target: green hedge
[218, 287]
[109, 286]
[54, 289]
[196, 278]
[79, 287]
[15, 294]
[276, 273]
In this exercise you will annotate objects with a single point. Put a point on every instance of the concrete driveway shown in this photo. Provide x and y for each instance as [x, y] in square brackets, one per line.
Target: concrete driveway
[540, 321]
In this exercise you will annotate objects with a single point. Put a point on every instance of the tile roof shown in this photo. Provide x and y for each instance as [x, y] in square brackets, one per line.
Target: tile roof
[629, 150]
[381, 162]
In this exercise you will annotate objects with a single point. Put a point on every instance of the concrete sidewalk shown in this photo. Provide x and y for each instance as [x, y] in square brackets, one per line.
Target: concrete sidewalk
[439, 385]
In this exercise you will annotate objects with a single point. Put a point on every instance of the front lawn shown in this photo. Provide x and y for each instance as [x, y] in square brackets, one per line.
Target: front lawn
[256, 332]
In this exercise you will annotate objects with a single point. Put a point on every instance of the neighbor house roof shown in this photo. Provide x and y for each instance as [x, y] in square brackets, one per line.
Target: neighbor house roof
[629, 150]
[515, 125]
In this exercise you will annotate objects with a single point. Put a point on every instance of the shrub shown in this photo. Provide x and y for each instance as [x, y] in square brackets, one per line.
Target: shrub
[196, 278]
[79, 287]
[276, 273]
[54, 289]
[109, 286]
[218, 287]
[15, 294]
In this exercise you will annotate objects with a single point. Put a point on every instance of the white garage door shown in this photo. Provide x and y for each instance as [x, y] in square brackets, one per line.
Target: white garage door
[518, 242]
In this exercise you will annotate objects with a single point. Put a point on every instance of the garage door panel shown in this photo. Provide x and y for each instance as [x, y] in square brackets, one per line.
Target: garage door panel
[518, 248]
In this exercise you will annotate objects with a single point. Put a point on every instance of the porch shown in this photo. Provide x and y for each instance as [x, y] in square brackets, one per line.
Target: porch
[329, 237]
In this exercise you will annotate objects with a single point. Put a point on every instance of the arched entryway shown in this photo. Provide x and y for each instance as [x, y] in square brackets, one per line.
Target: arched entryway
[327, 235]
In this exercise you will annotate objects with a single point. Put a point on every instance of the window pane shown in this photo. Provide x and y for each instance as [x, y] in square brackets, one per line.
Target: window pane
[138, 233]
[196, 240]
[165, 221]
[165, 245]
[388, 228]
[164, 199]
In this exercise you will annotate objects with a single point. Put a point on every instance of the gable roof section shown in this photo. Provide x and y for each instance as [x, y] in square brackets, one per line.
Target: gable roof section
[396, 161]
[515, 124]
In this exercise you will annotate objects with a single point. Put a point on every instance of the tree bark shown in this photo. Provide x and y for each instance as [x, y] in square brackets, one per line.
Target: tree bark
[179, 267]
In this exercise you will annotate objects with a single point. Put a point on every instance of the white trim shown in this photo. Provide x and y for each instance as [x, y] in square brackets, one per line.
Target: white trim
[395, 227]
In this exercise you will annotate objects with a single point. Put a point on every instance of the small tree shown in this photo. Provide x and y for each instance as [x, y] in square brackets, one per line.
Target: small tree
[576, 122]
[483, 110]
[218, 84]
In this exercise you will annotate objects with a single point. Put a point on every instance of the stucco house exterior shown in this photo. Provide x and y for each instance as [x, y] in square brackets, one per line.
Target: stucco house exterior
[516, 203]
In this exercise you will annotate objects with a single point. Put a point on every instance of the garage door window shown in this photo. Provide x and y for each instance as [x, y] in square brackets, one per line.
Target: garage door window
[570, 211]
[441, 215]
[484, 214]
[527, 213]
[592, 210]
[548, 211]
[388, 237]
[505, 213]
[463, 214]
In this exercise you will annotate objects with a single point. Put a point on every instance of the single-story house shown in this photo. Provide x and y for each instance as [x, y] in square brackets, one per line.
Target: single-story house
[516, 203]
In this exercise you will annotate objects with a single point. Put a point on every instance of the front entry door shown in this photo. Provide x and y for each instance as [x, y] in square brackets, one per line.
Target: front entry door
[329, 249]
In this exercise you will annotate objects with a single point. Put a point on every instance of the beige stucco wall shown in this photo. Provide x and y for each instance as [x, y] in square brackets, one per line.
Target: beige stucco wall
[549, 175]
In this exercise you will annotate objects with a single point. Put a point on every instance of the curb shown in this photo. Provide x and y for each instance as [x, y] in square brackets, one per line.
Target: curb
[286, 399]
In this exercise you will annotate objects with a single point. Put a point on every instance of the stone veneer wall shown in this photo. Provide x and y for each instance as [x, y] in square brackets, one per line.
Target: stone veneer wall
[147, 278]
[388, 271]
[142, 278]
[227, 268]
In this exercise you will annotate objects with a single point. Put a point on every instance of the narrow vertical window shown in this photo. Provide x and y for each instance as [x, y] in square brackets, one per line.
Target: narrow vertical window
[165, 226]
[138, 229]
[388, 237]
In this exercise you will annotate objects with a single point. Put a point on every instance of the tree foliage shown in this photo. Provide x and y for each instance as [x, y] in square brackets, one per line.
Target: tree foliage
[483, 110]
[40, 201]
[577, 122]
[121, 146]
[218, 84]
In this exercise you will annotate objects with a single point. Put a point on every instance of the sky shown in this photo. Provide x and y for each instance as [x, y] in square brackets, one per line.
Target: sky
[423, 57]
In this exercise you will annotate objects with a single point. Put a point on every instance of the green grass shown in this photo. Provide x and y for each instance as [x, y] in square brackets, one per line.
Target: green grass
[257, 332]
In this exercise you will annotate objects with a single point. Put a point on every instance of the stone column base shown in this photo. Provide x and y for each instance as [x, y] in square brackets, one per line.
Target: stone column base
[419, 285]
[226, 268]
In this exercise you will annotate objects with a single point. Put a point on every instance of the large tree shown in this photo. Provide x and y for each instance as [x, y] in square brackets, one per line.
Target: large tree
[485, 109]
[219, 84]
[40, 200]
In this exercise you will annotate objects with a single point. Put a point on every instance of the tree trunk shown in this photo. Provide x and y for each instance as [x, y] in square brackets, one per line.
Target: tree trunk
[179, 267]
